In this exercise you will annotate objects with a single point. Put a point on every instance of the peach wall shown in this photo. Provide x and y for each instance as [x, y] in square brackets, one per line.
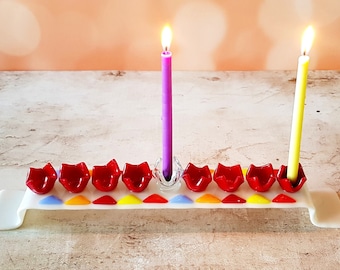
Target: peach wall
[125, 34]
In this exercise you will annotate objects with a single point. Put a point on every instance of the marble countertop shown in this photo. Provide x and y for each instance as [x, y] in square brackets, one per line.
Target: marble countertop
[227, 117]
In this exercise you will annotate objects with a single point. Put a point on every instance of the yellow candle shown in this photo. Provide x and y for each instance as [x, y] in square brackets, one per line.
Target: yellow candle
[299, 105]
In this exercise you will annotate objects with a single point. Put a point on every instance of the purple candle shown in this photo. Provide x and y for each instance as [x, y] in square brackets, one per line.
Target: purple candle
[167, 103]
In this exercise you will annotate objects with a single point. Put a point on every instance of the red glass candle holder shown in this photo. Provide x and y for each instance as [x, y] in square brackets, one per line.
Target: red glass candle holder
[228, 178]
[137, 177]
[74, 178]
[41, 180]
[197, 179]
[105, 178]
[291, 186]
[261, 178]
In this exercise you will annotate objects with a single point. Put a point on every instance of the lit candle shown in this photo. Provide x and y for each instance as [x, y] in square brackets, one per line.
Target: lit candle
[167, 103]
[299, 104]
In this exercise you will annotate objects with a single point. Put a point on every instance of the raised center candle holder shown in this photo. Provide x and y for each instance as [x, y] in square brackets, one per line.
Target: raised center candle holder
[174, 184]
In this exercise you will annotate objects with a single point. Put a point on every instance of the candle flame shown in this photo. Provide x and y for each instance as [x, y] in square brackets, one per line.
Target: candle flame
[166, 38]
[307, 40]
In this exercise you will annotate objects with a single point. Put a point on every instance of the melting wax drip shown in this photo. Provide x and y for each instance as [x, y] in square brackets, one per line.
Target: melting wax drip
[181, 199]
[129, 199]
[232, 198]
[208, 198]
[258, 199]
[155, 198]
[50, 200]
[78, 200]
[105, 200]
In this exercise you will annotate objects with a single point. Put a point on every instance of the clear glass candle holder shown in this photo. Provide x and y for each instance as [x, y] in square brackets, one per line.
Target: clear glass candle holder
[174, 183]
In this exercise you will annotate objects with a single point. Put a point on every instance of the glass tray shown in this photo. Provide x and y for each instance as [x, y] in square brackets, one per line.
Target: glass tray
[323, 205]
